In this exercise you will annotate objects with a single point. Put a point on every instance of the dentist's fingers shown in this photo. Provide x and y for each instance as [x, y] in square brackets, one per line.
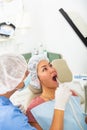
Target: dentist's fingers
[73, 92]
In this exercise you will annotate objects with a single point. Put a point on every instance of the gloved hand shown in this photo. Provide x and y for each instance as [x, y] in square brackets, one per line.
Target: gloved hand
[62, 95]
[21, 107]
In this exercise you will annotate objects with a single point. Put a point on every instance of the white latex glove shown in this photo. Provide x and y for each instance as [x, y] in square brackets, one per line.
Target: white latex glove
[62, 95]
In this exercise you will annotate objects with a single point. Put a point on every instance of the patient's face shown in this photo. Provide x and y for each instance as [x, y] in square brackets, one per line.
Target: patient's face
[47, 74]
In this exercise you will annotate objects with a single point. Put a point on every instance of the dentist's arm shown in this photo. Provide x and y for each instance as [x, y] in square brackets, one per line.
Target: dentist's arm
[58, 120]
[62, 96]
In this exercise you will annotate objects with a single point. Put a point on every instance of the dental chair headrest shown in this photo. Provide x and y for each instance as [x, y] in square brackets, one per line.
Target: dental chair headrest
[64, 72]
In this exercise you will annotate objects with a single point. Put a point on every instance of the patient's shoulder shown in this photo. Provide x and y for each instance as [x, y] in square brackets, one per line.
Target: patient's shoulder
[35, 102]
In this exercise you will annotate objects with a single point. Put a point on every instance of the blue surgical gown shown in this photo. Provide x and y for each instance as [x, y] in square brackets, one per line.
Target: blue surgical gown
[11, 118]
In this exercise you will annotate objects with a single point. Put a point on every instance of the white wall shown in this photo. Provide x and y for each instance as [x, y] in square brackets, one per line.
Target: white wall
[48, 26]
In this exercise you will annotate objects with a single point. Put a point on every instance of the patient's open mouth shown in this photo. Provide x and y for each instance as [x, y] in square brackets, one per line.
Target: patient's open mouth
[54, 78]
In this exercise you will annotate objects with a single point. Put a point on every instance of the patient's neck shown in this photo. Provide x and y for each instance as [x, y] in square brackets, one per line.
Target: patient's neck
[48, 94]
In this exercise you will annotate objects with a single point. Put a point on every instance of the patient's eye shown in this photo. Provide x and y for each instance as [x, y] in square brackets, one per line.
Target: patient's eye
[44, 69]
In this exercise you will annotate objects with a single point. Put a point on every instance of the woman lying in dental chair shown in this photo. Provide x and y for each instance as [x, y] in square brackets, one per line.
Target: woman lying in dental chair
[40, 111]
